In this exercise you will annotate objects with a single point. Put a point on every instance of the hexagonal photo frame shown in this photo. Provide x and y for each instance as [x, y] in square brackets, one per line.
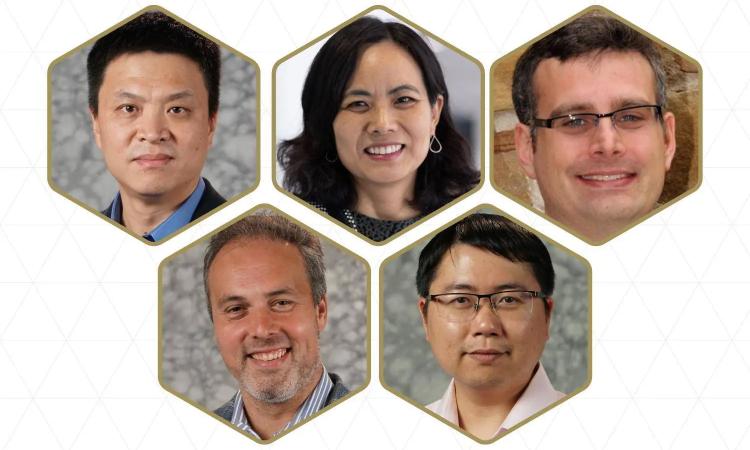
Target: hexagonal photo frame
[77, 168]
[683, 93]
[190, 364]
[408, 364]
[464, 78]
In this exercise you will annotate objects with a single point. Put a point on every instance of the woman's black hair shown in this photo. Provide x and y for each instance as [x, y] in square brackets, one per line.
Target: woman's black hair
[307, 173]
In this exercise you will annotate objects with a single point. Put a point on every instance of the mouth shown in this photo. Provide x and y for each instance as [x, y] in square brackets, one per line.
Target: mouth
[384, 152]
[485, 356]
[607, 180]
[153, 160]
[269, 355]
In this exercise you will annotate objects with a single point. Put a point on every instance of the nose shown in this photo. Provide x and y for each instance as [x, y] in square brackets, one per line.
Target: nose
[486, 322]
[263, 324]
[382, 120]
[153, 127]
[606, 140]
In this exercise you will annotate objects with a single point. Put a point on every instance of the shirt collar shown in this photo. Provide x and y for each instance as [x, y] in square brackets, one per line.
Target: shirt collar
[538, 394]
[178, 219]
[314, 403]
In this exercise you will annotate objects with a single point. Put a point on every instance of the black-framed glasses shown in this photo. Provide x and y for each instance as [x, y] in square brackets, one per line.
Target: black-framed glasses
[630, 118]
[463, 307]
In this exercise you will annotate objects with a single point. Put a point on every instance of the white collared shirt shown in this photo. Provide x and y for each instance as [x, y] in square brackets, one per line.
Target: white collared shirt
[538, 395]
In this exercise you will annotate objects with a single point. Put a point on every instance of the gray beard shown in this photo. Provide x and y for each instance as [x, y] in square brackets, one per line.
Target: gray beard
[283, 390]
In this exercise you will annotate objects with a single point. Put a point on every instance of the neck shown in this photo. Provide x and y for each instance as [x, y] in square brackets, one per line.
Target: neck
[142, 213]
[268, 419]
[386, 202]
[481, 411]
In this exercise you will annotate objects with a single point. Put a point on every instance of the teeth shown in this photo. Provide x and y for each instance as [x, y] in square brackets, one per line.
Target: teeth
[384, 150]
[604, 177]
[269, 356]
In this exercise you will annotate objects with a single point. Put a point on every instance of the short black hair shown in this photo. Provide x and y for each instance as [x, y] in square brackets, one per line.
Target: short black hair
[592, 34]
[495, 234]
[307, 174]
[272, 227]
[154, 31]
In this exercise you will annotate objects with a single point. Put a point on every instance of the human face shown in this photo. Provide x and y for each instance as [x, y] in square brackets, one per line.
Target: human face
[153, 125]
[265, 323]
[489, 352]
[384, 126]
[603, 181]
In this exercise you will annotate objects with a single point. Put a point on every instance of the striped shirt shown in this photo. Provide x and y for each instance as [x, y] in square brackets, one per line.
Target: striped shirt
[312, 404]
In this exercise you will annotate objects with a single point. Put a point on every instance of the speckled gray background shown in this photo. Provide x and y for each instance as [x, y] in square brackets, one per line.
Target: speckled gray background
[408, 363]
[191, 363]
[77, 163]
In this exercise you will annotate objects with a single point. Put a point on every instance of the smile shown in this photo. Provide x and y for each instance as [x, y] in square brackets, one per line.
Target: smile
[384, 149]
[613, 177]
[612, 180]
[269, 356]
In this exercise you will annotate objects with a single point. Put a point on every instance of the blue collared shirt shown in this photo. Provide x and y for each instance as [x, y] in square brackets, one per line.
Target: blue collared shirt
[174, 222]
[312, 404]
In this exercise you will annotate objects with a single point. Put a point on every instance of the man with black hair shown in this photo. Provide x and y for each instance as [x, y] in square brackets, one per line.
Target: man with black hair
[491, 348]
[153, 101]
[594, 130]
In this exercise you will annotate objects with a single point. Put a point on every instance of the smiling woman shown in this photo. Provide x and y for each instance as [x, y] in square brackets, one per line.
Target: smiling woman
[379, 149]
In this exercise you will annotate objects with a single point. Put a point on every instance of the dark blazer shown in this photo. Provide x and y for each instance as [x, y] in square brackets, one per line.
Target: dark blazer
[209, 200]
[339, 390]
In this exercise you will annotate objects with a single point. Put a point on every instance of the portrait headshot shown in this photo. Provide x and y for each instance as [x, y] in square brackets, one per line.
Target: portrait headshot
[378, 126]
[496, 331]
[152, 125]
[263, 325]
[597, 125]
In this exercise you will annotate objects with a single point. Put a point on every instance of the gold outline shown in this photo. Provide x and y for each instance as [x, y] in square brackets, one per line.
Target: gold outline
[98, 213]
[698, 138]
[548, 241]
[368, 312]
[482, 125]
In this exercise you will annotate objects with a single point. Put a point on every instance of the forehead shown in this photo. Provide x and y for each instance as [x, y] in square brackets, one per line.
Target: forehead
[154, 70]
[257, 266]
[481, 270]
[386, 62]
[603, 80]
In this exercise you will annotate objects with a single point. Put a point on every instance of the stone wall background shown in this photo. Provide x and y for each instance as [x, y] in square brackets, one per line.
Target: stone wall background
[190, 363]
[408, 364]
[77, 163]
[683, 99]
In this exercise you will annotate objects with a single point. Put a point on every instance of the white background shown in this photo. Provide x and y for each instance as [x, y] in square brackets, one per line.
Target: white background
[78, 297]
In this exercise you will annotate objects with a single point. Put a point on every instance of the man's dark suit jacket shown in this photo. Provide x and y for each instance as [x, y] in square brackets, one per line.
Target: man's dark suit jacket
[209, 200]
[339, 390]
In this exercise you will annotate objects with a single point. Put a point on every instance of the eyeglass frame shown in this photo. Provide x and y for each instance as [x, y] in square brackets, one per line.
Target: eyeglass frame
[547, 123]
[493, 306]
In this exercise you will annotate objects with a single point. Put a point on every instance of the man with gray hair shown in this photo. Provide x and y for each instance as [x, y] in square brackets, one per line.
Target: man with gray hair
[594, 131]
[266, 292]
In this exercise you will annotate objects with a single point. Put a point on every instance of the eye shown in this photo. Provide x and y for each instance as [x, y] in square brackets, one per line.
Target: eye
[458, 301]
[630, 117]
[128, 109]
[574, 122]
[235, 310]
[405, 100]
[177, 110]
[357, 106]
[282, 305]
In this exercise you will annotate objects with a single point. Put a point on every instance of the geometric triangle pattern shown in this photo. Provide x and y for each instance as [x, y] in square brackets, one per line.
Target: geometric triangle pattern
[671, 297]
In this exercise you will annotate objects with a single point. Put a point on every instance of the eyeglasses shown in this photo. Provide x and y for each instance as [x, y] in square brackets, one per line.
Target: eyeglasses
[630, 118]
[463, 307]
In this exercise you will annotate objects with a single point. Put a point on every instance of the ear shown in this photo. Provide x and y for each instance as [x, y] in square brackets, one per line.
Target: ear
[420, 304]
[436, 110]
[670, 140]
[524, 149]
[95, 127]
[321, 312]
[548, 313]
[212, 128]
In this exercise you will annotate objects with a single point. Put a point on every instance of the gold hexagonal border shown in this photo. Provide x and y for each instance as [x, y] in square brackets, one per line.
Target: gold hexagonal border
[548, 241]
[698, 138]
[160, 323]
[482, 125]
[98, 213]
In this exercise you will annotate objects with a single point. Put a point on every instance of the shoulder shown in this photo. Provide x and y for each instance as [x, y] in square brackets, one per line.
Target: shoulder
[226, 410]
[338, 390]
[209, 200]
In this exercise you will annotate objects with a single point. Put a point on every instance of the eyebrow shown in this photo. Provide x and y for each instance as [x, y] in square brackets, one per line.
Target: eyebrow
[188, 93]
[366, 93]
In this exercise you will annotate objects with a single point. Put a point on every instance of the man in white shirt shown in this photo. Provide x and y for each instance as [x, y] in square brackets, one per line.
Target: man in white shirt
[492, 349]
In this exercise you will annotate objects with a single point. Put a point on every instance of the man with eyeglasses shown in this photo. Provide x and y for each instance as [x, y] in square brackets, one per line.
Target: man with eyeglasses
[593, 131]
[485, 287]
